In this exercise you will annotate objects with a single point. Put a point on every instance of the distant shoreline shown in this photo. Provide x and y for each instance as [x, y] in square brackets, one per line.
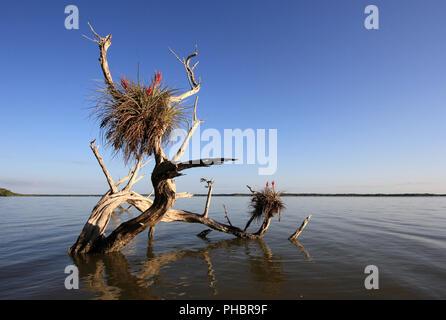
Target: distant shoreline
[247, 195]
[8, 193]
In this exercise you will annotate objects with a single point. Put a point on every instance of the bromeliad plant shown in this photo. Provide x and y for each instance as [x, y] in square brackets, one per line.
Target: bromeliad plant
[265, 204]
[134, 118]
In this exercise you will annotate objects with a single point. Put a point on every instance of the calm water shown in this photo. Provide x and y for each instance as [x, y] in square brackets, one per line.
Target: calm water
[404, 237]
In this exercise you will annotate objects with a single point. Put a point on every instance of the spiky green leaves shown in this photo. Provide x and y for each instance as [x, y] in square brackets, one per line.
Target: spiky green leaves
[138, 119]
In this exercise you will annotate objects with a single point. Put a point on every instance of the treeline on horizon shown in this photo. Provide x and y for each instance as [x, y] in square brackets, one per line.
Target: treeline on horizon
[8, 193]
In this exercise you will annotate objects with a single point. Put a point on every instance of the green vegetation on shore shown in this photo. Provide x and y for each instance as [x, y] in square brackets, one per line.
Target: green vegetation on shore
[8, 193]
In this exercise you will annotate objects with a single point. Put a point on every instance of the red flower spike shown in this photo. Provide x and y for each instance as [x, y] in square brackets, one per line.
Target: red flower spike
[125, 83]
[267, 184]
[149, 91]
[157, 79]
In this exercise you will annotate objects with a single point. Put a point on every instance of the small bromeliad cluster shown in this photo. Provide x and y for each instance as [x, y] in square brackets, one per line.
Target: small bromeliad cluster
[266, 202]
[137, 118]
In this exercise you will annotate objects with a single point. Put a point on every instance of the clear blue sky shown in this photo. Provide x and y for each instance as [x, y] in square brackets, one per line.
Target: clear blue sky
[356, 110]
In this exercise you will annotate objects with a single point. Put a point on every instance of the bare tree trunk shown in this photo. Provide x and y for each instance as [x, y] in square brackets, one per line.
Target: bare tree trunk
[92, 238]
[94, 229]
[164, 200]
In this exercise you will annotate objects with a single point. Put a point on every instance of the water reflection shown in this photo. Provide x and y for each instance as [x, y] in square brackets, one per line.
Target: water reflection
[266, 268]
[302, 249]
[111, 277]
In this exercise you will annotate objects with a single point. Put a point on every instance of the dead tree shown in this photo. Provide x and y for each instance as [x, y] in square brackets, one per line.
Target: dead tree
[93, 238]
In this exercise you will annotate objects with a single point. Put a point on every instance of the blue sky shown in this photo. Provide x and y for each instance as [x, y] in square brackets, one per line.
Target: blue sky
[356, 110]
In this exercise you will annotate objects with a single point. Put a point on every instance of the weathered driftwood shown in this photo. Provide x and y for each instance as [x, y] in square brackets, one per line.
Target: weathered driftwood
[94, 229]
[174, 215]
[296, 234]
[210, 185]
[93, 239]
[226, 215]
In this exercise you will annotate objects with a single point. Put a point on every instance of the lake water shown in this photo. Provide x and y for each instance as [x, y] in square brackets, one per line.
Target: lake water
[404, 237]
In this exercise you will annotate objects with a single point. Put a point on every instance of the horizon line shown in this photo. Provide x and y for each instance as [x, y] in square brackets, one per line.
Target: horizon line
[235, 194]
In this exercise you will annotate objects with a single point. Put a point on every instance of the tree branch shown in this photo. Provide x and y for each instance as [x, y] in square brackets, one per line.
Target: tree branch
[110, 181]
[194, 84]
[202, 163]
[249, 223]
[226, 214]
[184, 195]
[250, 189]
[195, 125]
[134, 174]
[131, 171]
[210, 185]
[296, 234]
[104, 44]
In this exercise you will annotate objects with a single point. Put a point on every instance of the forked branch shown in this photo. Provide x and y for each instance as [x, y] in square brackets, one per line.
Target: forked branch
[195, 124]
[111, 183]
[133, 175]
[104, 43]
[194, 84]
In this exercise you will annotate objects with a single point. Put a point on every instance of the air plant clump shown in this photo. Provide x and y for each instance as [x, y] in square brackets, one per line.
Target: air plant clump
[135, 119]
[266, 203]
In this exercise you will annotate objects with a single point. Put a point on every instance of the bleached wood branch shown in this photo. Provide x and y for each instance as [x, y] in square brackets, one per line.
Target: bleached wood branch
[125, 178]
[133, 176]
[226, 214]
[210, 185]
[184, 195]
[104, 43]
[131, 171]
[194, 84]
[110, 181]
[296, 234]
[195, 124]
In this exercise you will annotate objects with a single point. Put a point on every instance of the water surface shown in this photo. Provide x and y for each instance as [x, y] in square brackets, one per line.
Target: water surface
[403, 236]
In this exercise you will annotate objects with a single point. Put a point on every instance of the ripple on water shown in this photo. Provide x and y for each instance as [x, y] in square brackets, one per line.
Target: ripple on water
[404, 237]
